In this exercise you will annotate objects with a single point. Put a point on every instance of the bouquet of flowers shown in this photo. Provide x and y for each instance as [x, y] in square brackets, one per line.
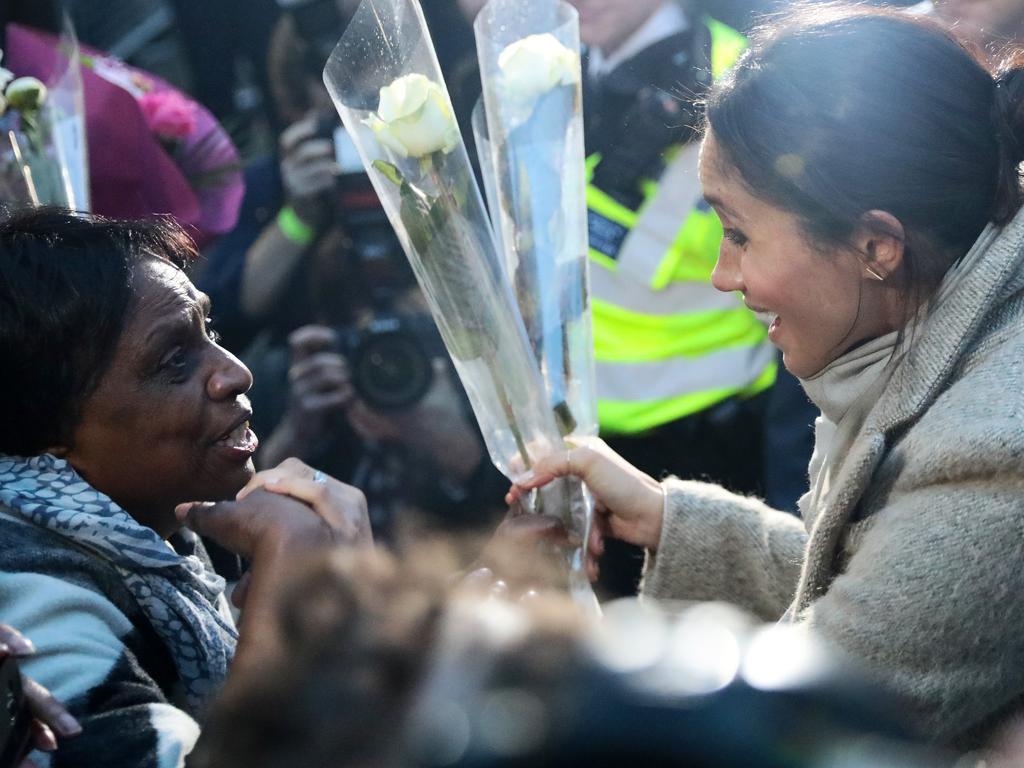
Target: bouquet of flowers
[529, 135]
[42, 147]
[387, 86]
[182, 161]
[195, 172]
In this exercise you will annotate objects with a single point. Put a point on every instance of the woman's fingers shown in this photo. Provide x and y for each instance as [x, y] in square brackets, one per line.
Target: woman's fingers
[219, 521]
[43, 738]
[633, 499]
[241, 590]
[14, 643]
[288, 467]
[341, 506]
[595, 541]
[50, 718]
[48, 710]
[595, 544]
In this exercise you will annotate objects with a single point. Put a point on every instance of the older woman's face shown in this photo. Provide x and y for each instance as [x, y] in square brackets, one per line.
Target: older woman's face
[168, 422]
[816, 302]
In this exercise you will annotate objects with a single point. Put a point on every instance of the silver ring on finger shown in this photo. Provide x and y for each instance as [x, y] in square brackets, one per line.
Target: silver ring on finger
[319, 477]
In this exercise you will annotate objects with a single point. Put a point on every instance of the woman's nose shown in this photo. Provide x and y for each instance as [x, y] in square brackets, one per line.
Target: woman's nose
[229, 379]
[726, 275]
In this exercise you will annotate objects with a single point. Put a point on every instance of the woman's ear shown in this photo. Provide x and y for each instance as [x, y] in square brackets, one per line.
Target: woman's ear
[880, 241]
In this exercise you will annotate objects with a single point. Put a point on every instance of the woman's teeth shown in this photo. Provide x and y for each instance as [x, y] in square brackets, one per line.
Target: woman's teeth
[237, 436]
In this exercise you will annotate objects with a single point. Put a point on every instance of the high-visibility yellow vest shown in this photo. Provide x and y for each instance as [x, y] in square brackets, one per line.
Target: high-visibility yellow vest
[666, 343]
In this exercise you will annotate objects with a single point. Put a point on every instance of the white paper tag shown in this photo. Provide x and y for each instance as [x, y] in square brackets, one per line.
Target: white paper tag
[345, 152]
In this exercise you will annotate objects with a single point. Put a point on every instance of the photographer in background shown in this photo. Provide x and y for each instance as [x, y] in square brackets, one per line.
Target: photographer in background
[314, 286]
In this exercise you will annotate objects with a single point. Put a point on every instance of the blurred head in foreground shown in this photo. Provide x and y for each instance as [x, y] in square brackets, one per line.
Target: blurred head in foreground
[393, 666]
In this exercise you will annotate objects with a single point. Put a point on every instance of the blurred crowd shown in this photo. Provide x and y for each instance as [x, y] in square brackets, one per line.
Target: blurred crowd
[311, 290]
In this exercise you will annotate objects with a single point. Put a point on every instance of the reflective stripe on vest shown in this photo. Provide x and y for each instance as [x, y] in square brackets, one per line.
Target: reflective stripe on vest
[667, 344]
[638, 416]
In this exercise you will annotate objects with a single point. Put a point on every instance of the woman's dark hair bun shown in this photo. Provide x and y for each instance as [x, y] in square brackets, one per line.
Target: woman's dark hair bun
[1008, 116]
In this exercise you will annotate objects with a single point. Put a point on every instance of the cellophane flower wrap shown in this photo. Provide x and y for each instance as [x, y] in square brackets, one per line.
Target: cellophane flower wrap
[388, 88]
[529, 134]
[43, 159]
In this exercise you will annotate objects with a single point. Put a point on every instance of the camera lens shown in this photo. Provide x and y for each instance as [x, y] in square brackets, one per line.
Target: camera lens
[391, 370]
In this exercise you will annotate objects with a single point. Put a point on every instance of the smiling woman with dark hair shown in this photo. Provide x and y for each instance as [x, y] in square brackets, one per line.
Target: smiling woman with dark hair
[119, 407]
[866, 169]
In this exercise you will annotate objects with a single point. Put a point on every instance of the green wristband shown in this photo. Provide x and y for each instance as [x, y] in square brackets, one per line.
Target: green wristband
[294, 228]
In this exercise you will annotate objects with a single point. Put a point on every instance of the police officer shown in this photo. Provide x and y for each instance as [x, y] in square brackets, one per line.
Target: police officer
[681, 367]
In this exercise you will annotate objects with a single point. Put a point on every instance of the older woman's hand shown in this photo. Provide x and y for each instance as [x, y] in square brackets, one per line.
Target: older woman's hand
[341, 506]
[282, 514]
[629, 502]
[50, 719]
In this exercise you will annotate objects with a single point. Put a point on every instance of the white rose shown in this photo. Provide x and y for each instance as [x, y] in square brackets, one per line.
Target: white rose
[26, 94]
[534, 65]
[414, 118]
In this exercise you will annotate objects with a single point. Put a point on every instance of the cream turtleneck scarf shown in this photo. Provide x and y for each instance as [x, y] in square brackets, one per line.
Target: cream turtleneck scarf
[847, 388]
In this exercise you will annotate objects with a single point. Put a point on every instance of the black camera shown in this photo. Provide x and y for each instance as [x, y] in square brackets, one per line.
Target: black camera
[391, 359]
[15, 719]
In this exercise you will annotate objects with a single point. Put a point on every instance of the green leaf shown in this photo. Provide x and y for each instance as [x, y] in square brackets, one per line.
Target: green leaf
[390, 172]
[564, 418]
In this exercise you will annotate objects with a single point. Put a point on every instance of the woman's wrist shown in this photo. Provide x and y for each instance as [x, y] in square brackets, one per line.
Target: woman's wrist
[654, 518]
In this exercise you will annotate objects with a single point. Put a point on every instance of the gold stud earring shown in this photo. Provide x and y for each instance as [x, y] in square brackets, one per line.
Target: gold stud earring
[874, 274]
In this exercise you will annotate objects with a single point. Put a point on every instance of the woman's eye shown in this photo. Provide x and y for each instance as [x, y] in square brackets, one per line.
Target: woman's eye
[211, 332]
[735, 237]
[175, 361]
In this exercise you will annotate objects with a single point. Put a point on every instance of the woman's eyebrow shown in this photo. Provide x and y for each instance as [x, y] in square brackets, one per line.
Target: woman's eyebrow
[198, 306]
[718, 205]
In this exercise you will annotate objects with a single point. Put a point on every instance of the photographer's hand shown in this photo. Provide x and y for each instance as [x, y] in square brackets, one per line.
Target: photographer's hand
[308, 171]
[50, 719]
[308, 168]
[319, 387]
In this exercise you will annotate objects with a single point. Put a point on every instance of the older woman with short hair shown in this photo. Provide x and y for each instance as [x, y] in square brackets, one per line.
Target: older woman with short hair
[118, 407]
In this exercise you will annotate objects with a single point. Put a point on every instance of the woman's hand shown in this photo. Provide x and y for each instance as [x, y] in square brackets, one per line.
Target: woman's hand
[50, 719]
[341, 506]
[281, 515]
[629, 502]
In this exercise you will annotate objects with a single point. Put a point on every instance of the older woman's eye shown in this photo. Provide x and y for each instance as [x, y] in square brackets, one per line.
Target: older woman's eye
[175, 361]
[211, 332]
[735, 237]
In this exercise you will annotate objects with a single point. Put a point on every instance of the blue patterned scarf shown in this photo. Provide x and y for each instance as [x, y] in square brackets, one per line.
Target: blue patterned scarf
[181, 597]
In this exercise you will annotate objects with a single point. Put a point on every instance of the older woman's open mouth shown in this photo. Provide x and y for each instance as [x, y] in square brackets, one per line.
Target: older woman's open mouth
[239, 442]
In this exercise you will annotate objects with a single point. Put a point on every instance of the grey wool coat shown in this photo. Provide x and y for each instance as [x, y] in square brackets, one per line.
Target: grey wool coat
[914, 563]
